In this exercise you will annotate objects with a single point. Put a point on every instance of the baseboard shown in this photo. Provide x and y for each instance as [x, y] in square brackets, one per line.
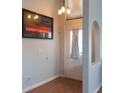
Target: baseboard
[96, 91]
[39, 84]
[61, 75]
[70, 77]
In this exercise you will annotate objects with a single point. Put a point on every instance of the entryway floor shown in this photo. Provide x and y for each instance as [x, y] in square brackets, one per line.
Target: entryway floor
[60, 85]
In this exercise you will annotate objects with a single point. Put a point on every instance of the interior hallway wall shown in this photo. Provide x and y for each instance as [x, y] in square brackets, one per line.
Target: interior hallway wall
[41, 58]
[92, 72]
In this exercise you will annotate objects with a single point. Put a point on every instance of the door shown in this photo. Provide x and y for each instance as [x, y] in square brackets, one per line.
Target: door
[72, 66]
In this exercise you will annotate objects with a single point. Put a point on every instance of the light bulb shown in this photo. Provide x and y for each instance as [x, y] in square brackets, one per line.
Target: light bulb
[68, 11]
[29, 16]
[63, 9]
[59, 12]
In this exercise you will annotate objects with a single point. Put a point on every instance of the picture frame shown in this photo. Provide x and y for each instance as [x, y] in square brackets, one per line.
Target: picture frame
[35, 25]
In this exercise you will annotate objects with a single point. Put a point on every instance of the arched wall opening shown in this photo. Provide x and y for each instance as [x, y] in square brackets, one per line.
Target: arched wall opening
[95, 42]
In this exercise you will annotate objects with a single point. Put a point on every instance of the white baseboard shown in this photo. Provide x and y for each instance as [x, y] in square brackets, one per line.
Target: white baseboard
[39, 84]
[70, 77]
[98, 88]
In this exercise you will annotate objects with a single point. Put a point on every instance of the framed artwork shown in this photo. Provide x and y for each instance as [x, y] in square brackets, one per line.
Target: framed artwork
[35, 25]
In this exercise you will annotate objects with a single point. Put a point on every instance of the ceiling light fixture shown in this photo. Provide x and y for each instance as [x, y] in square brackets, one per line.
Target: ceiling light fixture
[63, 9]
[68, 10]
[59, 11]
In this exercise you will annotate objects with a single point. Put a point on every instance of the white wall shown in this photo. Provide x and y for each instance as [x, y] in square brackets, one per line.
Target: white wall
[36, 67]
[92, 72]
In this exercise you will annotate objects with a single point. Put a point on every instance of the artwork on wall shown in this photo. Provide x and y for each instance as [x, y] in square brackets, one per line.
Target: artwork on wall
[35, 25]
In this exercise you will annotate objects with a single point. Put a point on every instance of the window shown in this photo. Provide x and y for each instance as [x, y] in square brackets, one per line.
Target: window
[80, 42]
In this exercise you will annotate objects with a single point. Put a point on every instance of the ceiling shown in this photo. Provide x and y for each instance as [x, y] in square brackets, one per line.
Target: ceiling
[76, 7]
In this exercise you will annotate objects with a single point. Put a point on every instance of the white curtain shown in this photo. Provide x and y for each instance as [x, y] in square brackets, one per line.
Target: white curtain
[75, 45]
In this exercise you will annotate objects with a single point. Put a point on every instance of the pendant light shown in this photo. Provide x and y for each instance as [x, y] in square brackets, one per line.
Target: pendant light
[68, 10]
[63, 9]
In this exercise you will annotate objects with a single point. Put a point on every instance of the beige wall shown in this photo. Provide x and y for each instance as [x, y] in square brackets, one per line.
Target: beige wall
[36, 67]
